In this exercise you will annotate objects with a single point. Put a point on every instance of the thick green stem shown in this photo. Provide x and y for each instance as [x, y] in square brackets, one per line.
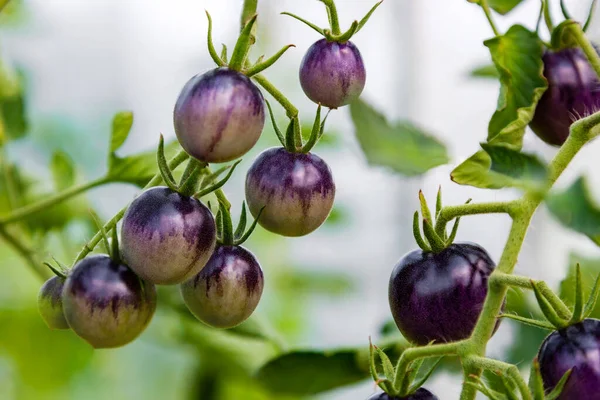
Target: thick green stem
[470, 375]
[248, 12]
[89, 246]
[31, 209]
[508, 370]
[448, 213]
[290, 109]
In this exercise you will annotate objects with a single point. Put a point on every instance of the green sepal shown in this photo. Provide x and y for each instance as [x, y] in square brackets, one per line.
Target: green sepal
[262, 65]
[388, 367]
[241, 227]
[226, 225]
[438, 201]
[509, 387]
[577, 315]
[436, 242]
[211, 177]
[219, 184]
[115, 254]
[163, 166]
[219, 224]
[189, 186]
[365, 19]
[316, 131]
[591, 303]
[372, 364]
[211, 46]
[553, 395]
[291, 134]
[590, 16]
[417, 234]
[528, 321]
[103, 233]
[310, 24]
[55, 271]
[424, 207]
[417, 384]
[246, 235]
[482, 387]
[224, 56]
[344, 37]
[242, 46]
[547, 309]
[536, 384]
[275, 127]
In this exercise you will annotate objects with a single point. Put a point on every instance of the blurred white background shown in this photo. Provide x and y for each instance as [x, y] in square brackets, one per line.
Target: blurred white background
[89, 58]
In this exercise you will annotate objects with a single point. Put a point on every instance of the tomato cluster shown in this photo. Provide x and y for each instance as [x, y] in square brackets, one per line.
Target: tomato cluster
[169, 237]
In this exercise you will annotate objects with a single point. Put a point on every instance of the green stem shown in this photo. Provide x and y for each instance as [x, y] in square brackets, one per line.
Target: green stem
[13, 199]
[415, 353]
[333, 17]
[31, 209]
[488, 14]
[586, 46]
[89, 246]
[523, 211]
[24, 252]
[448, 213]
[290, 109]
[223, 198]
[548, 16]
[527, 283]
[508, 370]
[248, 12]
[469, 392]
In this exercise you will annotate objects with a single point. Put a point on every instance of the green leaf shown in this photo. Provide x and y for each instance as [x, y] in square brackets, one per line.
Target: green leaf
[63, 171]
[518, 58]
[121, 126]
[13, 114]
[590, 268]
[485, 71]
[138, 169]
[308, 372]
[503, 6]
[402, 147]
[513, 168]
[575, 209]
[311, 372]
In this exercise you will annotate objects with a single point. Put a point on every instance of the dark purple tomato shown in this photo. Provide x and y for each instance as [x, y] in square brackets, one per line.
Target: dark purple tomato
[106, 303]
[50, 303]
[420, 394]
[226, 292]
[438, 297]
[578, 348]
[332, 73]
[297, 191]
[166, 237]
[573, 92]
[219, 115]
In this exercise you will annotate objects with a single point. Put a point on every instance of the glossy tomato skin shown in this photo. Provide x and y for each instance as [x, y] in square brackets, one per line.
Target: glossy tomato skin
[226, 292]
[420, 394]
[106, 303]
[219, 115]
[578, 348]
[50, 303]
[332, 73]
[438, 297]
[297, 191]
[573, 92]
[166, 237]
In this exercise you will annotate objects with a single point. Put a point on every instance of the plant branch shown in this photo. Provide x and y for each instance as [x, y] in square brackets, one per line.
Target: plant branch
[31, 209]
[488, 14]
[448, 213]
[291, 110]
[23, 251]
